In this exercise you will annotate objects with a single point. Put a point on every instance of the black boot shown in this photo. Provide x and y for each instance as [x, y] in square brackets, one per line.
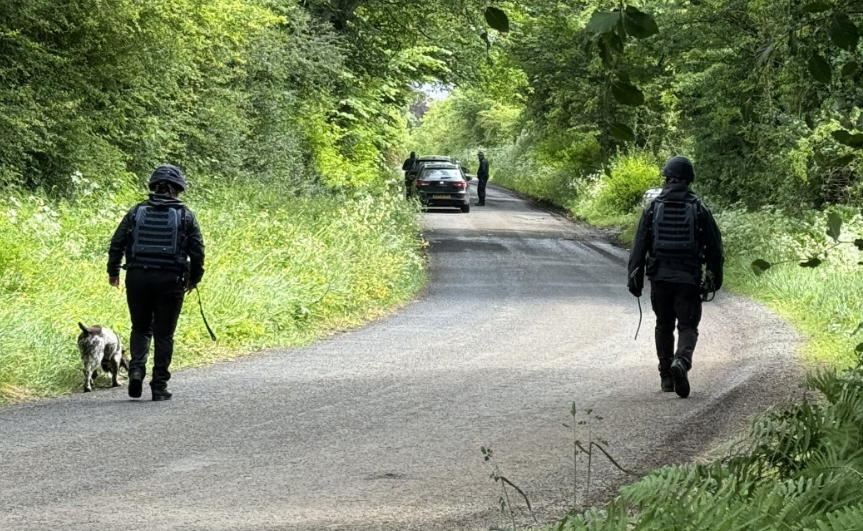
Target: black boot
[665, 375]
[160, 395]
[681, 382]
[136, 382]
[667, 383]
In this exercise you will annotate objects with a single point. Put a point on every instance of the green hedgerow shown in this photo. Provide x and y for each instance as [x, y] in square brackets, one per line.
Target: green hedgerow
[629, 176]
[280, 270]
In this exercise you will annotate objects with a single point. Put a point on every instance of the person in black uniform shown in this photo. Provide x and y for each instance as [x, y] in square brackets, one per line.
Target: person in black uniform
[482, 175]
[406, 167]
[679, 246]
[164, 253]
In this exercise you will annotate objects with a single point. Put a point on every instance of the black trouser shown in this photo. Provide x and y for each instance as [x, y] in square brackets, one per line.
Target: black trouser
[409, 186]
[672, 302]
[480, 189]
[155, 298]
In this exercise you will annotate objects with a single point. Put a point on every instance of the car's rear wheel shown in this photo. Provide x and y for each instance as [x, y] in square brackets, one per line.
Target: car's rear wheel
[465, 208]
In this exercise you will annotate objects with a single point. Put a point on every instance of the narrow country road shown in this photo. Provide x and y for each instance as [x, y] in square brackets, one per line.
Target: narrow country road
[381, 427]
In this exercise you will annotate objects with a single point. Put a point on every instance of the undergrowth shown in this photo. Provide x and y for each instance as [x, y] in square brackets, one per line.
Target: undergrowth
[798, 468]
[281, 270]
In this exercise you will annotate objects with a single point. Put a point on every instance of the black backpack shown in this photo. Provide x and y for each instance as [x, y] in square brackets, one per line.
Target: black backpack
[158, 238]
[676, 230]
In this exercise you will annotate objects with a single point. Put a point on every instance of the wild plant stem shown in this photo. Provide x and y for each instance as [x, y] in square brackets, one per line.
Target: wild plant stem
[589, 457]
[505, 493]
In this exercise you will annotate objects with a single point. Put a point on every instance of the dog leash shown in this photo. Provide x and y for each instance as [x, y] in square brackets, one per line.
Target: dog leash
[204, 317]
[634, 285]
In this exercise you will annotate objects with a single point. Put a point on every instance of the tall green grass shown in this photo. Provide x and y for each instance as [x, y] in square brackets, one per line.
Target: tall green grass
[280, 270]
[822, 302]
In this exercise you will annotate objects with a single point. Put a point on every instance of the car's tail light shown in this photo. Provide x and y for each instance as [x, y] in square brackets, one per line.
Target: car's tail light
[421, 182]
[459, 184]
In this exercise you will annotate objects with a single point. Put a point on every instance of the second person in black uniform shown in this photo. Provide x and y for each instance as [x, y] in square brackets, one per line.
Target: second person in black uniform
[164, 253]
[407, 166]
[482, 176]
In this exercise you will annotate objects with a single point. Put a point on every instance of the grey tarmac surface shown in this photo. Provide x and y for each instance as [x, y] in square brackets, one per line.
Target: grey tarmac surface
[381, 427]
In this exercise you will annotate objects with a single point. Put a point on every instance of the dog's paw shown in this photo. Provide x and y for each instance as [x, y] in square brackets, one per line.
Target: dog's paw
[87, 389]
[115, 384]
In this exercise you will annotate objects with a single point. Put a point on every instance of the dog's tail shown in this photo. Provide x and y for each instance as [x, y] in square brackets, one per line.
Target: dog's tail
[83, 328]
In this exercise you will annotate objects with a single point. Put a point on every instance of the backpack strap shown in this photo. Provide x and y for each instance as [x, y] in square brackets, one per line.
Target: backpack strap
[182, 238]
[134, 217]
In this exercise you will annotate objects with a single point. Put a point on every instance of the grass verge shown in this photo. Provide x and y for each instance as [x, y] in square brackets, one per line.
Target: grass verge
[280, 271]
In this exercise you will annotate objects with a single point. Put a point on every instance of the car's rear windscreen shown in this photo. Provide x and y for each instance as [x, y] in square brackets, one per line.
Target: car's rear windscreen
[442, 174]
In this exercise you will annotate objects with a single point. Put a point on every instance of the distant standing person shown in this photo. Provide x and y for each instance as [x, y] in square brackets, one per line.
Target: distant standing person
[164, 253]
[679, 246]
[482, 175]
[407, 167]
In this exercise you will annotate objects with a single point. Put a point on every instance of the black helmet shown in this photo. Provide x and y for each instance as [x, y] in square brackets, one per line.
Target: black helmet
[170, 173]
[679, 168]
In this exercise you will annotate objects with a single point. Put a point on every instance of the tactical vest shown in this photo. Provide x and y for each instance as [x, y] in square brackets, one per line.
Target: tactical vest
[157, 238]
[676, 231]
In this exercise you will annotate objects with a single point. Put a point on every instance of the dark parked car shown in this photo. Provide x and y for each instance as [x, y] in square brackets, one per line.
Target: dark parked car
[430, 159]
[443, 185]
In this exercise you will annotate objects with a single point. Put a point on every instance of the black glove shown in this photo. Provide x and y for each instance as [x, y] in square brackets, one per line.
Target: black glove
[707, 288]
[635, 284]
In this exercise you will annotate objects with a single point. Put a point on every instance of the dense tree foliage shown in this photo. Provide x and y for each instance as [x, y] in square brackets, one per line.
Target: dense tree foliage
[305, 92]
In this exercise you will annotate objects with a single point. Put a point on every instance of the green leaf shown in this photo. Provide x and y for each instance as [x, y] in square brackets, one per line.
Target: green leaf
[850, 69]
[818, 6]
[603, 22]
[844, 32]
[627, 94]
[620, 30]
[605, 54]
[638, 24]
[764, 54]
[613, 41]
[812, 262]
[844, 161]
[848, 139]
[760, 266]
[820, 69]
[747, 110]
[859, 244]
[622, 132]
[497, 19]
[834, 226]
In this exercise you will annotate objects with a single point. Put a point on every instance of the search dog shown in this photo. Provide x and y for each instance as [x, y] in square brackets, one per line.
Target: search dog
[99, 345]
